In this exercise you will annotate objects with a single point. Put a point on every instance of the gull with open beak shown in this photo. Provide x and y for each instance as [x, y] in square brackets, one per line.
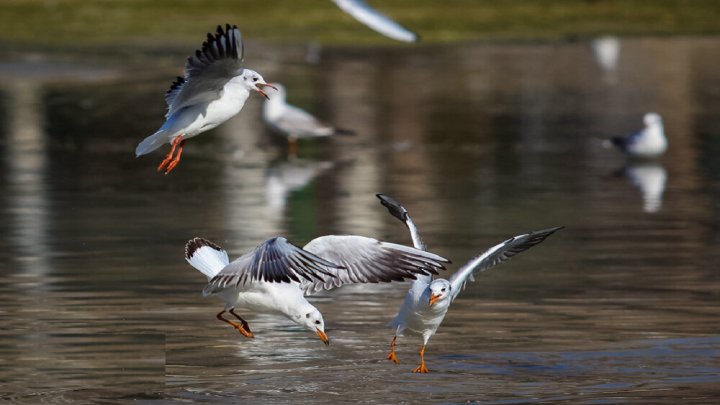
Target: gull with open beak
[213, 90]
[428, 300]
[276, 276]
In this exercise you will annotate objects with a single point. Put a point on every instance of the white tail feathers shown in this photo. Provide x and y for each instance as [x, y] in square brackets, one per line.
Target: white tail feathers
[206, 256]
[151, 143]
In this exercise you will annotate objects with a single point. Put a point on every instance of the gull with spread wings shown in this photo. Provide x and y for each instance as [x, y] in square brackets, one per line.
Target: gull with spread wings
[428, 300]
[276, 275]
[213, 90]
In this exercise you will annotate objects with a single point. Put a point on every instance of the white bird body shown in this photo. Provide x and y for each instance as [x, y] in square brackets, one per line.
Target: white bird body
[213, 90]
[293, 122]
[416, 316]
[275, 277]
[649, 142]
[277, 298]
[427, 301]
[191, 121]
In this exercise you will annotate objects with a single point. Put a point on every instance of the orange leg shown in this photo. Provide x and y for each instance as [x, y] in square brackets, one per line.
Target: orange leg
[244, 323]
[421, 368]
[176, 160]
[237, 326]
[392, 356]
[292, 142]
[169, 156]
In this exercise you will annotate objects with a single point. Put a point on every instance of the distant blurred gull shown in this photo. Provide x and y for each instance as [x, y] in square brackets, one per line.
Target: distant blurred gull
[275, 276]
[294, 122]
[428, 300]
[213, 90]
[607, 51]
[649, 142]
[381, 23]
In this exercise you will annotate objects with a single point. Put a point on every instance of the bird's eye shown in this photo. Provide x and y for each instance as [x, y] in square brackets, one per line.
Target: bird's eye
[255, 79]
[443, 290]
[307, 316]
[317, 322]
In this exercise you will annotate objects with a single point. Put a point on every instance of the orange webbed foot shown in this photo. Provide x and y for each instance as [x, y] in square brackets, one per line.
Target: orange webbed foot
[421, 369]
[392, 357]
[245, 332]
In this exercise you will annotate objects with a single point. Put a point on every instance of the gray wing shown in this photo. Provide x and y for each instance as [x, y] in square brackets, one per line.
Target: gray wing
[367, 260]
[496, 255]
[275, 260]
[206, 73]
[381, 23]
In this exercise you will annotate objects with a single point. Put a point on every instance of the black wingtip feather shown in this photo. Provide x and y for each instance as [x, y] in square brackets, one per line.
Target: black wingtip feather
[395, 208]
[196, 243]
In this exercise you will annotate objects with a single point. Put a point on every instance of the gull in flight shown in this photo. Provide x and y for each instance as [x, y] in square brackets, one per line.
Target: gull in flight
[213, 90]
[381, 23]
[294, 122]
[649, 142]
[276, 275]
[428, 300]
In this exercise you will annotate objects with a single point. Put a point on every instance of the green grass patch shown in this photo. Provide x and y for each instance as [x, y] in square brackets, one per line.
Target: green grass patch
[101, 22]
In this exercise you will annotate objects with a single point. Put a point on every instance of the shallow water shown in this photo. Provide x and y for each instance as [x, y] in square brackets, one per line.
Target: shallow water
[480, 142]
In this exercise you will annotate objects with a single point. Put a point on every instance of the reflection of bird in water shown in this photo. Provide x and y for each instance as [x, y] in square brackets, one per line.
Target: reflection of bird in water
[381, 23]
[294, 122]
[286, 176]
[213, 90]
[650, 178]
[275, 276]
[428, 300]
[607, 51]
[649, 142]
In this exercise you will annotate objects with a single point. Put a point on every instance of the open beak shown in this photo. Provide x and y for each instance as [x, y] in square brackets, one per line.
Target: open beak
[261, 86]
[433, 298]
[323, 336]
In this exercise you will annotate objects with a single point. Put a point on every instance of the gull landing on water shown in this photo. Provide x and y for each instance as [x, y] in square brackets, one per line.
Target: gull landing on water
[649, 142]
[276, 276]
[428, 300]
[294, 122]
[213, 90]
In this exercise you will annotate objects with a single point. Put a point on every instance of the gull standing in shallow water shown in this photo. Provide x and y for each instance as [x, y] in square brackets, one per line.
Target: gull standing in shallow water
[649, 142]
[275, 276]
[428, 300]
[213, 90]
[293, 122]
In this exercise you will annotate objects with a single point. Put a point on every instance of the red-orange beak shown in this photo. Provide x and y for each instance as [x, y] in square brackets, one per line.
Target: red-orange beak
[323, 336]
[433, 298]
[261, 86]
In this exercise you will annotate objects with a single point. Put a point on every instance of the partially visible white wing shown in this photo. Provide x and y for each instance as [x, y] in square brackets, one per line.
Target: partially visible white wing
[496, 255]
[367, 260]
[275, 260]
[381, 23]
[206, 73]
